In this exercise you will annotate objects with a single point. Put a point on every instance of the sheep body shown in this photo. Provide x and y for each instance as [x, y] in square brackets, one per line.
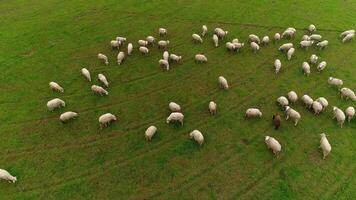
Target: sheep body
[115, 44]
[254, 46]
[174, 107]
[273, 144]
[162, 31]
[162, 44]
[197, 136]
[254, 38]
[285, 47]
[86, 74]
[348, 37]
[343, 34]
[200, 58]
[56, 87]
[5, 175]
[306, 43]
[68, 116]
[324, 145]
[175, 117]
[103, 79]
[216, 40]
[339, 115]
[350, 113]
[265, 40]
[55, 103]
[99, 90]
[317, 107]
[163, 62]
[290, 53]
[230, 46]
[204, 30]
[321, 66]
[151, 40]
[277, 65]
[292, 96]
[315, 37]
[314, 59]
[220, 32]
[120, 57]
[293, 114]
[277, 36]
[197, 38]
[306, 68]
[311, 28]
[106, 119]
[212, 107]
[142, 42]
[323, 102]
[348, 93]
[129, 49]
[277, 121]
[223, 82]
[307, 100]
[253, 112]
[335, 81]
[143, 50]
[103, 58]
[283, 101]
[322, 44]
[150, 132]
[174, 57]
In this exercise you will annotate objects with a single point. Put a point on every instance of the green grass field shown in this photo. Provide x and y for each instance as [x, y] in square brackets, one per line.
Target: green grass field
[51, 40]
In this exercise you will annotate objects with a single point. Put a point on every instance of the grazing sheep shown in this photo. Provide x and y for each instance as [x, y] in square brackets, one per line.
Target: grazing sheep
[121, 39]
[175, 58]
[313, 59]
[292, 96]
[174, 107]
[277, 121]
[151, 40]
[103, 79]
[254, 46]
[343, 34]
[230, 46]
[216, 40]
[99, 90]
[5, 175]
[335, 81]
[238, 46]
[311, 28]
[162, 44]
[305, 38]
[86, 74]
[142, 43]
[223, 82]
[324, 145]
[204, 30]
[104, 58]
[277, 36]
[307, 100]
[323, 102]
[150, 132]
[175, 117]
[283, 101]
[129, 49]
[68, 116]
[162, 32]
[197, 136]
[220, 32]
[212, 107]
[293, 114]
[273, 144]
[285, 47]
[339, 115]
[115, 44]
[321, 66]
[106, 119]
[265, 40]
[200, 58]
[350, 113]
[288, 33]
[348, 37]
[306, 43]
[277, 65]
[322, 44]
[253, 112]
[120, 57]
[315, 37]
[290, 53]
[165, 55]
[306, 68]
[143, 50]
[348, 93]
[55, 87]
[197, 38]
[254, 38]
[317, 107]
[163, 62]
[235, 40]
[55, 103]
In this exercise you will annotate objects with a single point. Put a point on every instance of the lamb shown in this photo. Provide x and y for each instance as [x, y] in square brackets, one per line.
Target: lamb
[321, 66]
[197, 38]
[68, 116]
[165, 55]
[254, 38]
[345, 33]
[265, 40]
[290, 53]
[162, 32]
[99, 90]
[129, 49]
[104, 58]
[165, 63]
[121, 39]
[162, 44]
[317, 107]
[335, 82]
[253, 112]
[273, 144]
[150, 132]
[200, 58]
[315, 37]
[307, 100]
[142, 43]
[348, 37]
[174, 107]
[339, 115]
[350, 113]
[115, 44]
[276, 121]
[103, 79]
[220, 32]
[314, 59]
[324, 145]
[277, 36]
[306, 68]
[197, 136]
[223, 83]
[277, 65]
[216, 40]
[230, 46]
[5, 175]
[348, 93]
[292, 96]
[151, 40]
[323, 102]
[212, 107]
[285, 47]
[143, 50]
[120, 57]
[55, 87]
[86, 74]
[311, 28]
[293, 114]
[175, 58]
[255, 47]
[322, 44]
[55, 103]
[305, 38]
[175, 117]
[106, 119]
[239, 45]
[204, 30]
[283, 101]
[306, 43]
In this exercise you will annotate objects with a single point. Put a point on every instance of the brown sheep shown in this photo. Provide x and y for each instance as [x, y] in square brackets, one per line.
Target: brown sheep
[276, 121]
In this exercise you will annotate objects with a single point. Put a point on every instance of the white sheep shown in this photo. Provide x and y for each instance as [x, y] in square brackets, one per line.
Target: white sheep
[99, 90]
[86, 74]
[277, 65]
[254, 46]
[322, 44]
[103, 58]
[216, 40]
[115, 44]
[285, 47]
[343, 34]
[129, 49]
[175, 57]
[68, 116]
[151, 40]
[277, 36]
[254, 38]
[165, 55]
[350, 113]
[324, 145]
[321, 66]
[293, 114]
[306, 43]
[223, 82]
[315, 37]
[306, 68]
[288, 33]
[335, 81]
[339, 115]
[253, 112]
[197, 38]
[150, 132]
[348, 93]
[220, 32]
[120, 57]
[143, 50]
[307, 100]
[212, 107]
[175, 117]
[197, 136]
[273, 144]
[313, 59]
[55, 87]
[204, 30]
[121, 39]
[5, 175]
[174, 107]
[290, 53]
[55, 103]
[265, 40]
[106, 119]
[283, 101]
[200, 58]
[142, 42]
[239, 45]
[311, 28]
[305, 38]
[235, 40]
[348, 37]
[317, 107]
[162, 31]
[163, 62]
[323, 102]
[292, 96]
[103, 79]
[230, 46]
[162, 44]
